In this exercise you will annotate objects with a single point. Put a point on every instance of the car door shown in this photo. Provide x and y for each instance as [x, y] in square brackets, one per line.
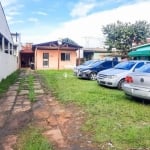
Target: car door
[138, 65]
[105, 65]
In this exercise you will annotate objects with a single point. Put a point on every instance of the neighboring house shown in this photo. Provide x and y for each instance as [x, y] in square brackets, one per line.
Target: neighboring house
[50, 55]
[26, 56]
[8, 55]
[140, 52]
[17, 43]
[97, 53]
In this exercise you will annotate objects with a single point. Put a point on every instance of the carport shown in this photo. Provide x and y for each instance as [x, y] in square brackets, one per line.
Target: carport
[26, 57]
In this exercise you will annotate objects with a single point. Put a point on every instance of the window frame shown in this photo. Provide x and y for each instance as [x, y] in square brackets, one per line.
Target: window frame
[65, 56]
[45, 60]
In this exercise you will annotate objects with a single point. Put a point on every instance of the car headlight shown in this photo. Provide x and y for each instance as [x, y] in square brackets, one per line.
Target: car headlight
[111, 76]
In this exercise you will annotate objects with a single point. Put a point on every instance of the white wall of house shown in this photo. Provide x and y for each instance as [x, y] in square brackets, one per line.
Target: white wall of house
[8, 64]
[4, 28]
[80, 53]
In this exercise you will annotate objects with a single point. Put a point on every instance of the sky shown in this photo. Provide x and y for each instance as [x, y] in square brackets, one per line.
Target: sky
[41, 21]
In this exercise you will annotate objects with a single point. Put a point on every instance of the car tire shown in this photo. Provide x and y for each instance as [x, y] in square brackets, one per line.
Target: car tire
[93, 76]
[120, 84]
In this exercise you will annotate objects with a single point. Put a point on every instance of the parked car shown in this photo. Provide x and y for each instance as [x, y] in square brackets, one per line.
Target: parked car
[90, 71]
[137, 84]
[86, 63]
[115, 77]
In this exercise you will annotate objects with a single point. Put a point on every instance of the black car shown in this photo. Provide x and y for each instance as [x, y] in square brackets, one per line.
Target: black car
[90, 71]
[86, 63]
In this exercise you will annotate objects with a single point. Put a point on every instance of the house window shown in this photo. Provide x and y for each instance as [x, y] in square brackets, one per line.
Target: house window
[45, 59]
[65, 56]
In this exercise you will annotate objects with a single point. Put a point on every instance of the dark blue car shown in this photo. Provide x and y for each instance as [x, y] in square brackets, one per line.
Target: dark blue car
[90, 71]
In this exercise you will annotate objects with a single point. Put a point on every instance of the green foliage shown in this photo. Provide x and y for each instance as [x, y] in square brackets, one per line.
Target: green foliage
[32, 139]
[141, 31]
[122, 35]
[30, 80]
[27, 83]
[5, 83]
[111, 117]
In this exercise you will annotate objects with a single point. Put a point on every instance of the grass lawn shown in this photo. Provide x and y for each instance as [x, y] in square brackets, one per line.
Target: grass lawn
[111, 116]
[32, 139]
[5, 83]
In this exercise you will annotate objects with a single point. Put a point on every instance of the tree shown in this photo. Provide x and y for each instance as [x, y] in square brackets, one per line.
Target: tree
[122, 35]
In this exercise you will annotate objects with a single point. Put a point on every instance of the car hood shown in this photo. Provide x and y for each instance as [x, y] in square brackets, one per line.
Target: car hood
[80, 67]
[85, 68]
[114, 71]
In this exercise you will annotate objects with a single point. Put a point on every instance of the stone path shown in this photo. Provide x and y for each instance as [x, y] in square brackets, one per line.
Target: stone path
[61, 124]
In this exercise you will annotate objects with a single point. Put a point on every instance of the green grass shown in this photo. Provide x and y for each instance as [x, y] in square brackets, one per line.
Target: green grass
[111, 116]
[32, 139]
[30, 81]
[5, 83]
[27, 83]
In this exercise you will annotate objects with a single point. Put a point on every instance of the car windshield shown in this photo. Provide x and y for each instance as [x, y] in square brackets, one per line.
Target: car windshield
[145, 68]
[96, 64]
[127, 65]
[88, 62]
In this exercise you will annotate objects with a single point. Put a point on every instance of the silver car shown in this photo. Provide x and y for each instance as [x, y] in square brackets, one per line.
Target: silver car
[115, 77]
[137, 84]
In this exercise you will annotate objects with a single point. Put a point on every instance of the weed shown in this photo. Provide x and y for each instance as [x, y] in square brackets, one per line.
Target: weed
[5, 83]
[32, 139]
[31, 95]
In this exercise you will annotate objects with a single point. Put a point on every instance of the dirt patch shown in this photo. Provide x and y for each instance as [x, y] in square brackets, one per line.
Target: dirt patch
[13, 124]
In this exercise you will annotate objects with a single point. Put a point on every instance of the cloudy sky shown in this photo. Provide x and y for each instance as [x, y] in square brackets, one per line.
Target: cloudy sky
[80, 20]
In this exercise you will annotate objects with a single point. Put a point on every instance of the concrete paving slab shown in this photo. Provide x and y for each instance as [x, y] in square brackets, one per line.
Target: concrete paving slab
[5, 108]
[10, 99]
[21, 108]
[13, 88]
[12, 93]
[39, 91]
[36, 87]
[56, 136]
[2, 119]
[24, 92]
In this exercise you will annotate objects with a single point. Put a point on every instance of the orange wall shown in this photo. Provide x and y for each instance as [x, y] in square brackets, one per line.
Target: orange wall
[53, 60]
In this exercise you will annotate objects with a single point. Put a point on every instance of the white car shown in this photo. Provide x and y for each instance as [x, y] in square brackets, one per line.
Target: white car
[137, 84]
[115, 77]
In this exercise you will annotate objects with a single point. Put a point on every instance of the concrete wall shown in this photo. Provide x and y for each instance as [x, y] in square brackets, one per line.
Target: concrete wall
[8, 64]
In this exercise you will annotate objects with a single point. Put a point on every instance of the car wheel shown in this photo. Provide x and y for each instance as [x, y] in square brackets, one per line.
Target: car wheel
[120, 84]
[93, 76]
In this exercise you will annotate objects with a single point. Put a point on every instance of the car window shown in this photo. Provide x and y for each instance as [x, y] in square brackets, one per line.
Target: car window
[127, 65]
[145, 68]
[139, 65]
[88, 62]
[107, 64]
[96, 64]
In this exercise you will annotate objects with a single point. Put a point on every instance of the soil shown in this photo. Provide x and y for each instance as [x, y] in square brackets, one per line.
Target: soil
[61, 124]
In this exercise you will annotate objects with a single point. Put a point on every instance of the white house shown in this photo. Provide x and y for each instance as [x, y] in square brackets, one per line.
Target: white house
[8, 50]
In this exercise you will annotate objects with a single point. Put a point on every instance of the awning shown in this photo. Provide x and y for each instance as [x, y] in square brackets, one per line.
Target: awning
[139, 53]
